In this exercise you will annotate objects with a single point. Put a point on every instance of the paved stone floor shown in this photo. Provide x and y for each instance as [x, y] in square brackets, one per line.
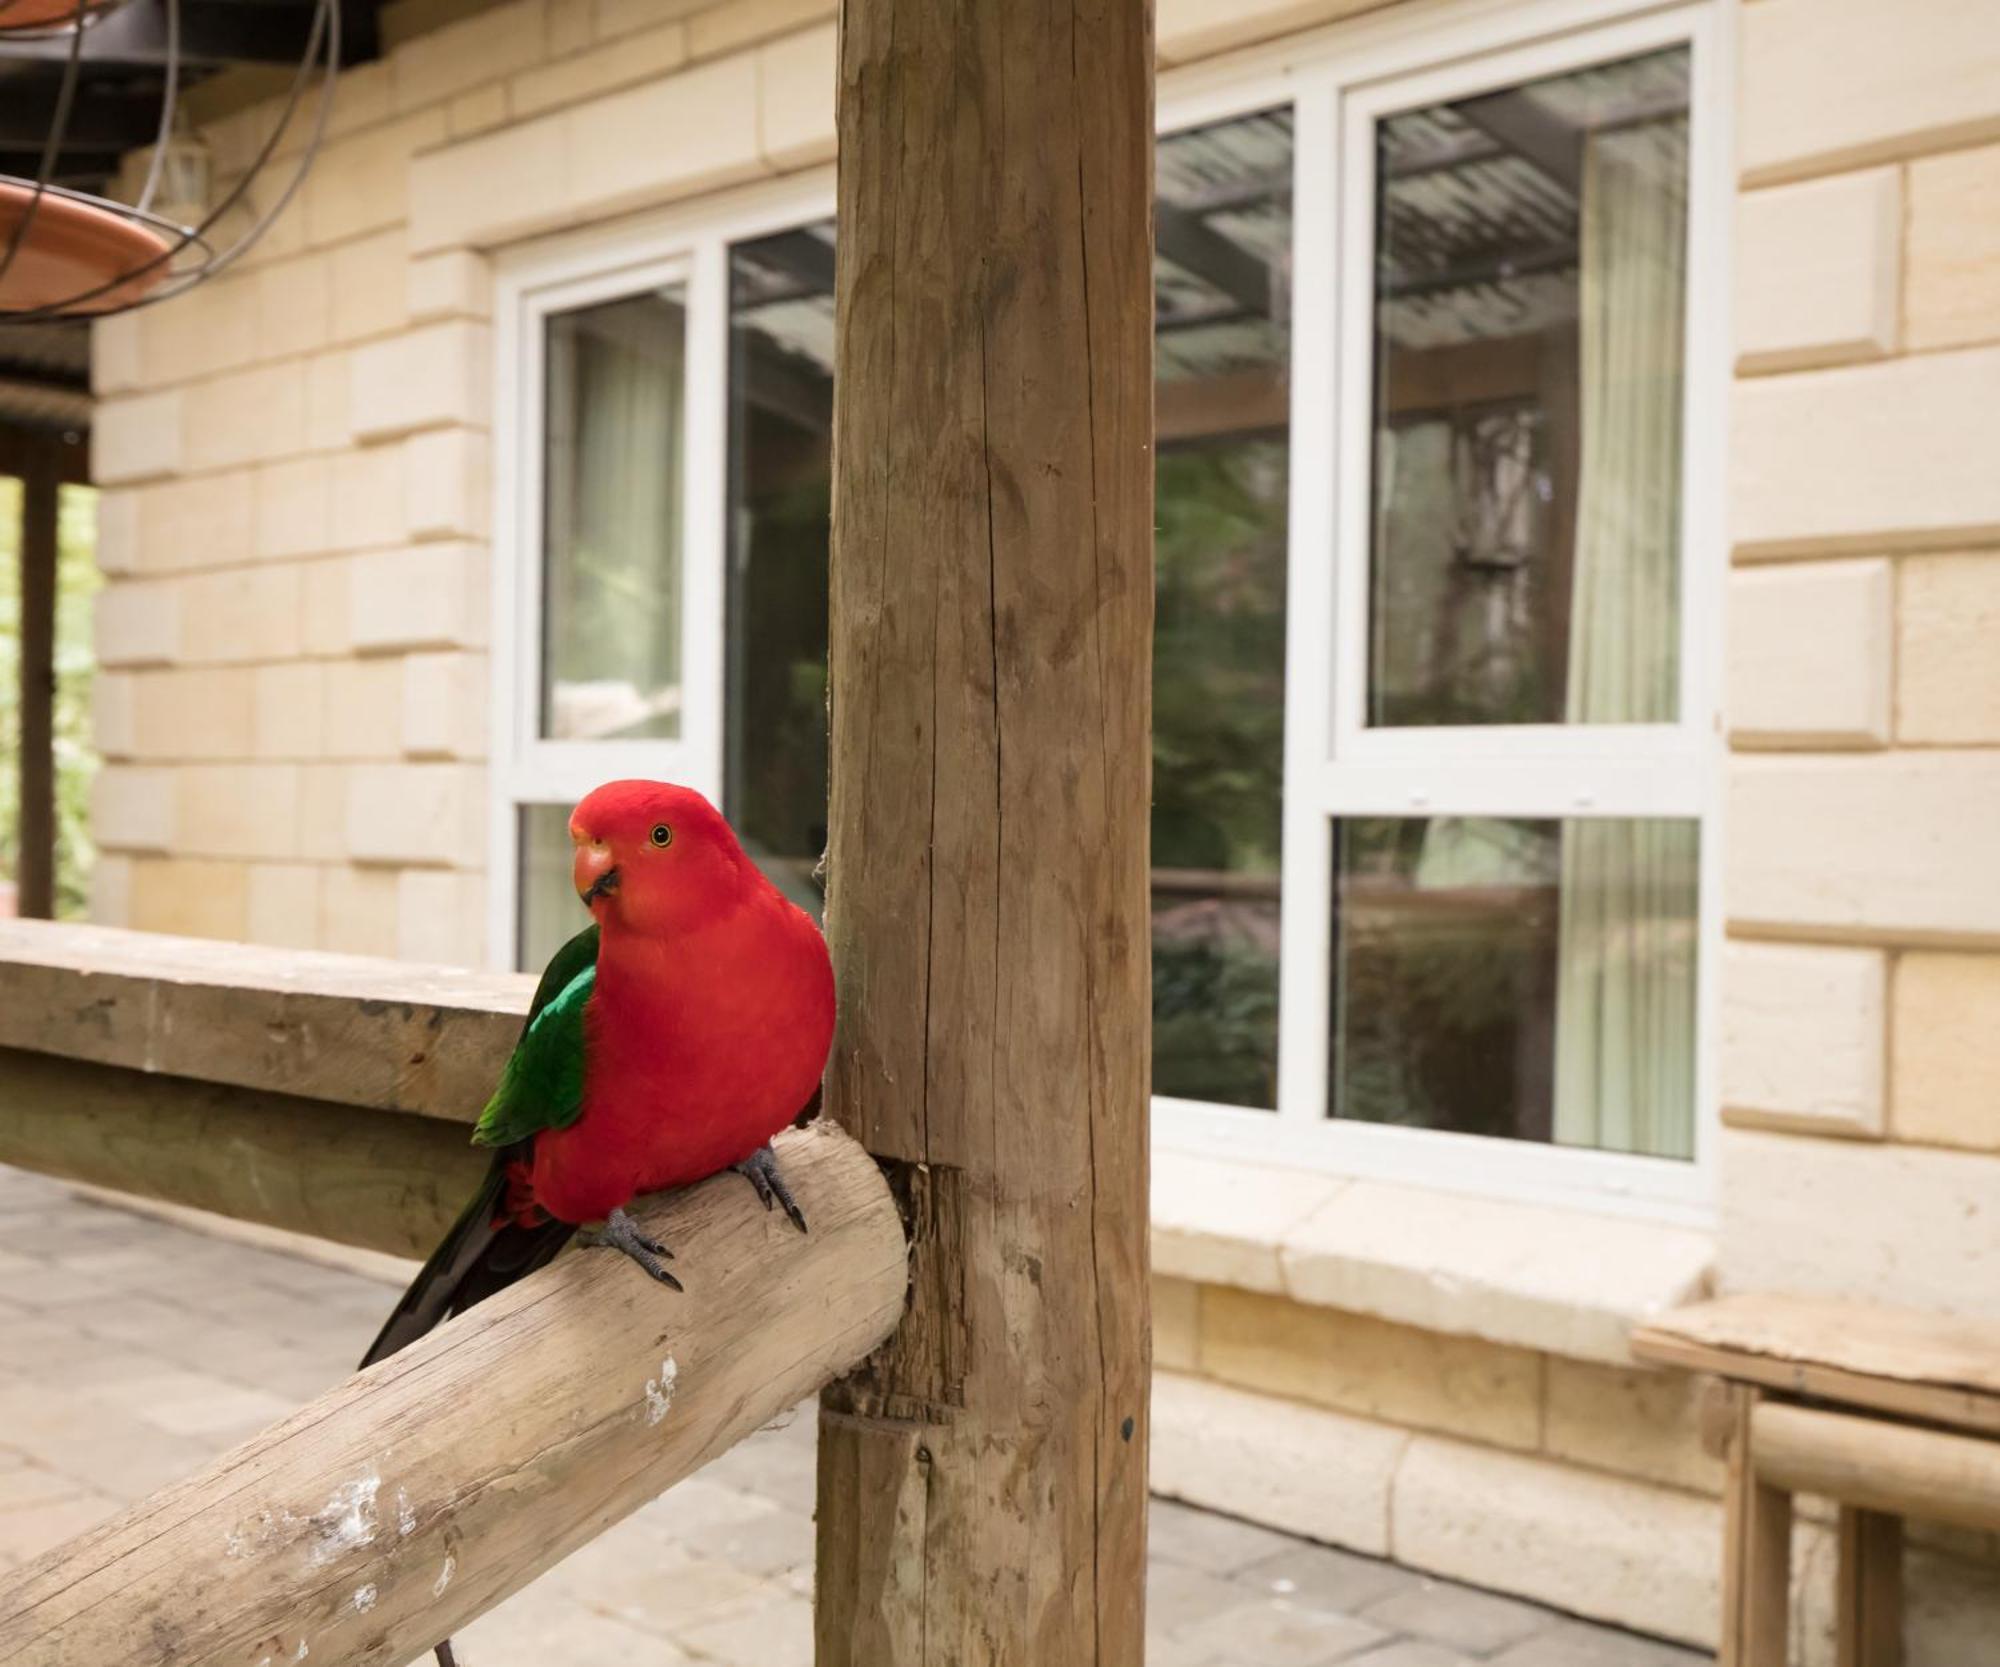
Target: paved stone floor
[182, 1344]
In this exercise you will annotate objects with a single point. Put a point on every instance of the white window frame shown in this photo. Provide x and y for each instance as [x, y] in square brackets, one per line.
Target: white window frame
[1336, 80]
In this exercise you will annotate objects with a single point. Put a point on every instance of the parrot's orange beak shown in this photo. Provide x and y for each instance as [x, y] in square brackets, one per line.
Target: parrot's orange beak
[595, 871]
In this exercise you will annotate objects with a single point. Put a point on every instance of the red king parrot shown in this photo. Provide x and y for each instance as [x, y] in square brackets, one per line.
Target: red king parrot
[667, 1041]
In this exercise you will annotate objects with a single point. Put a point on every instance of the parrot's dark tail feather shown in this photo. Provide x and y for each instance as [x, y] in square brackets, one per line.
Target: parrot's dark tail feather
[444, 1655]
[484, 1252]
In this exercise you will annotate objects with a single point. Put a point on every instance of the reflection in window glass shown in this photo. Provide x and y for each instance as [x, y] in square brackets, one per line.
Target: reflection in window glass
[1530, 979]
[1530, 282]
[780, 492]
[611, 597]
[549, 912]
[1222, 294]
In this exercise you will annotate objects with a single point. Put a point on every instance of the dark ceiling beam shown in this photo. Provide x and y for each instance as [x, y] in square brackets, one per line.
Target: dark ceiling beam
[1199, 249]
[212, 33]
[99, 121]
[1531, 132]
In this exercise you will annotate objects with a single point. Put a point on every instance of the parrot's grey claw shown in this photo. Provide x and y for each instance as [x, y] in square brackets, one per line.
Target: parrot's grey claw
[761, 1170]
[621, 1232]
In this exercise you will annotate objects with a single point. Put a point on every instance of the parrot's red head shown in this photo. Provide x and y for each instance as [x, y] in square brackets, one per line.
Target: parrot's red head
[656, 859]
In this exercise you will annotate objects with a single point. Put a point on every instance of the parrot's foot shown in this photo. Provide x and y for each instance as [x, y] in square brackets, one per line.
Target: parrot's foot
[621, 1232]
[760, 1168]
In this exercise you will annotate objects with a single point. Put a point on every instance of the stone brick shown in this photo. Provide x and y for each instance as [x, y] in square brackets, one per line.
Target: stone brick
[1567, 1283]
[1634, 1422]
[456, 283]
[444, 705]
[203, 331]
[283, 904]
[323, 812]
[236, 810]
[243, 614]
[294, 307]
[622, 17]
[364, 709]
[1176, 1323]
[362, 184]
[1898, 1225]
[637, 57]
[137, 624]
[132, 808]
[295, 507]
[114, 727]
[447, 484]
[1947, 673]
[368, 498]
[416, 813]
[136, 439]
[429, 596]
[371, 286]
[489, 45]
[118, 531]
[1954, 256]
[249, 417]
[114, 355]
[1321, 1474]
[1803, 1031]
[358, 908]
[289, 713]
[199, 521]
[571, 26]
[1868, 457]
[193, 898]
[1597, 1545]
[1191, 29]
[1811, 654]
[479, 111]
[327, 376]
[111, 890]
[719, 29]
[1224, 1223]
[1819, 271]
[700, 138]
[325, 586]
[438, 374]
[194, 713]
[796, 78]
[366, 95]
[494, 186]
[440, 917]
[1882, 846]
[1945, 1045]
[1832, 83]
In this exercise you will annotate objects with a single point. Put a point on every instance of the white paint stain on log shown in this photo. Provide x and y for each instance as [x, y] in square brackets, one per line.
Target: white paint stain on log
[444, 1575]
[660, 1390]
[406, 1515]
[346, 1522]
[364, 1598]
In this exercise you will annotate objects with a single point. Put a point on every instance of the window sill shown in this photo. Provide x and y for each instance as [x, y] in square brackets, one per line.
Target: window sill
[1534, 1276]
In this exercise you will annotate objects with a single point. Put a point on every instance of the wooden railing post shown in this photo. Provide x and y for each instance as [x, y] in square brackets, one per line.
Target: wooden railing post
[983, 1481]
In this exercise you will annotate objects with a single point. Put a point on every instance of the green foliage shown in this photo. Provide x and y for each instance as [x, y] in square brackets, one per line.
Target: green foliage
[76, 758]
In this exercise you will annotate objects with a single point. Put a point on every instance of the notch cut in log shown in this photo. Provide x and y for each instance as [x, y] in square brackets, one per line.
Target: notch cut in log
[417, 1495]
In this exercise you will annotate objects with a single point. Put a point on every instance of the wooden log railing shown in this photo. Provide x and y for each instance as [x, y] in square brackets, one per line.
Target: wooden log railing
[291, 1089]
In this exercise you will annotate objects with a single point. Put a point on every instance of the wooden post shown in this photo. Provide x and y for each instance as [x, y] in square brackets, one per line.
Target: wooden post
[982, 1486]
[409, 1499]
[35, 870]
[1868, 1625]
[1756, 1553]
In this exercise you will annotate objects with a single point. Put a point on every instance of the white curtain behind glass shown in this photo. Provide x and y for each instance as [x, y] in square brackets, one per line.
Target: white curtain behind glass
[1625, 1006]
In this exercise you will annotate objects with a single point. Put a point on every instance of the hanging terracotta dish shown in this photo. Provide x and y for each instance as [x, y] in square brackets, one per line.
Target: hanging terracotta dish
[41, 14]
[74, 247]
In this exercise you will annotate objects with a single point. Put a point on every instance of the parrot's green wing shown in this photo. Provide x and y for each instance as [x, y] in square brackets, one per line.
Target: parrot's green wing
[542, 1084]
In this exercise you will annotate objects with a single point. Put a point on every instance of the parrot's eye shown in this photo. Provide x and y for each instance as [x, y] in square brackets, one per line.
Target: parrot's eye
[662, 835]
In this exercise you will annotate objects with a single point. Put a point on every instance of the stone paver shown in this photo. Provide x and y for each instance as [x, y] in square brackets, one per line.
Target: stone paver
[137, 1350]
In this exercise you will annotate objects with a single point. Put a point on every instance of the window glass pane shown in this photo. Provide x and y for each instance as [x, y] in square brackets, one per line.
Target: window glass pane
[611, 595]
[1533, 979]
[1530, 282]
[549, 912]
[780, 486]
[1222, 292]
